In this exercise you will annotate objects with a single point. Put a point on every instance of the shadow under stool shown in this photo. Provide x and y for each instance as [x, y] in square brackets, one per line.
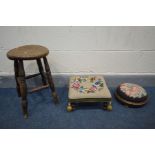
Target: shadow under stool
[31, 52]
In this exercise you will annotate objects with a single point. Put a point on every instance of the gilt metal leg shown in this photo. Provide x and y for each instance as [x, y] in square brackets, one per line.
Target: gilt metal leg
[109, 106]
[69, 107]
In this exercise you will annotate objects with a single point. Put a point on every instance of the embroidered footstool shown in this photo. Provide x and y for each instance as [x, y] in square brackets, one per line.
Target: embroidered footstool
[131, 95]
[88, 89]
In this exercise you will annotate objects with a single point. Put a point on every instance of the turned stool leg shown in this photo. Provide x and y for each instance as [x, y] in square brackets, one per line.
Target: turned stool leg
[23, 88]
[50, 80]
[16, 69]
[41, 70]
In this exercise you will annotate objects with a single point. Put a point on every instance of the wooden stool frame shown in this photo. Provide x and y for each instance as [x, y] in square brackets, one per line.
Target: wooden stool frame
[31, 52]
[21, 82]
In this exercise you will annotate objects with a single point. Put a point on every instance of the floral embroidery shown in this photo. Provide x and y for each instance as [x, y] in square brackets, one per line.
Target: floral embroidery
[79, 82]
[76, 85]
[133, 90]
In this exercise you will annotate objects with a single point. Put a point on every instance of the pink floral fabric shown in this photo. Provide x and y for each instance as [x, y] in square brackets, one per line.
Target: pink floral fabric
[133, 90]
[80, 82]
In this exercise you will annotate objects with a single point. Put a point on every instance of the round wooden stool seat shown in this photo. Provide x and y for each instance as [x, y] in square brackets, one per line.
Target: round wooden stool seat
[28, 52]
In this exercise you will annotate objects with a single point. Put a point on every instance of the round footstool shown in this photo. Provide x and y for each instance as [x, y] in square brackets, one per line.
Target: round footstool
[131, 95]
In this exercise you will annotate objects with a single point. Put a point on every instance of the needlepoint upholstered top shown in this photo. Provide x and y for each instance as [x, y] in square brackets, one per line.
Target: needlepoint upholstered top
[88, 89]
[131, 94]
[28, 52]
[81, 87]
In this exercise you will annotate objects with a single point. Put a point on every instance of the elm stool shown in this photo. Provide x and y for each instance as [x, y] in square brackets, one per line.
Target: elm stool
[31, 52]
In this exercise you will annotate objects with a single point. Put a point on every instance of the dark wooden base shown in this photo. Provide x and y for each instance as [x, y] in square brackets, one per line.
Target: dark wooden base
[129, 103]
[106, 106]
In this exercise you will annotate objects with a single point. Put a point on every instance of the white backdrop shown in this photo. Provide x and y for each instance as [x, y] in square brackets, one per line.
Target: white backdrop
[104, 50]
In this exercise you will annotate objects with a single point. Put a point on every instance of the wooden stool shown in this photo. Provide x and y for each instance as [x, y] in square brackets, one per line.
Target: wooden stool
[31, 52]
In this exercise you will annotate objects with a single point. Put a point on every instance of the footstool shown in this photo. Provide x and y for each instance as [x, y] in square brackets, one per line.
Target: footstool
[131, 95]
[88, 89]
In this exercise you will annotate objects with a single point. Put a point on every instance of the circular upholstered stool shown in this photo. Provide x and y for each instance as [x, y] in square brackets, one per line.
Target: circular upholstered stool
[131, 95]
[31, 52]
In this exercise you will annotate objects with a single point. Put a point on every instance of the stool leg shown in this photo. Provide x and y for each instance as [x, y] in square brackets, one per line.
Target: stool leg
[16, 69]
[70, 107]
[109, 106]
[23, 88]
[41, 70]
[50, 80]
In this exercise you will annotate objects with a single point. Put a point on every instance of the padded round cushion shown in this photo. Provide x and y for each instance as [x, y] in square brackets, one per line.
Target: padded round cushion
[131, 94]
